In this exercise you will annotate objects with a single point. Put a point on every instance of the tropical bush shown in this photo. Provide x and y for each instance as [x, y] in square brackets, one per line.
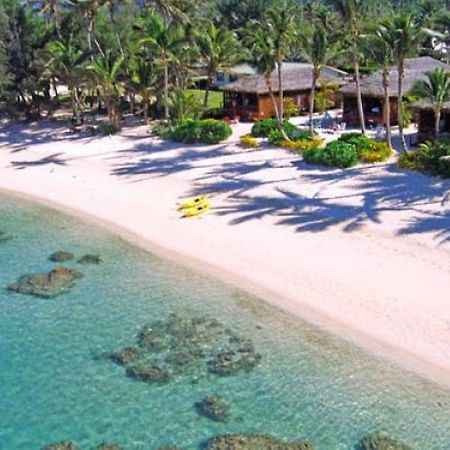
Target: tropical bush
[377, 152]
[360, 141]
[190, 131]
[336, 154]
[264, 127]
[214, 131]
[432, 158]
[247, 140]
[303, 144]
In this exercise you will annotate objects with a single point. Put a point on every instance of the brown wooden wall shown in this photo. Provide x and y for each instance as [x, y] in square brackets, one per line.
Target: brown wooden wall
[351, 116]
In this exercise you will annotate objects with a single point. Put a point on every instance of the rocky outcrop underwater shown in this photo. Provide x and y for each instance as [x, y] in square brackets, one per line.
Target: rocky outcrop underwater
[185, 345]
[46, 285]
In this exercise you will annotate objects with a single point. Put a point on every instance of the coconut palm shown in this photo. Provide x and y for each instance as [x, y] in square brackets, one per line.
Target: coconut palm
[317, 50]
[442, 24]
[404, 38]
[142, 78]
[436, 90]
[67, 62]
[218, 48]
[280, 20]
[105, 70]
[351, 14]
[380, 51]
[263, 59]
[164, 42]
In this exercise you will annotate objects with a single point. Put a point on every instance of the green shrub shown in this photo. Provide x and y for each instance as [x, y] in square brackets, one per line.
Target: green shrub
[263, 128]
[187, 131]
[431, 158]
[378, 152]
[360, 141]
[107, 128]
[335, 154]
[247, 140]
[214, 131]
[190, 131]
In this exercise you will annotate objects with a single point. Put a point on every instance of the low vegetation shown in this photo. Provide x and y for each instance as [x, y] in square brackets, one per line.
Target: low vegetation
[348, 150]
[191, 131]
[432, 158]
[248, 141]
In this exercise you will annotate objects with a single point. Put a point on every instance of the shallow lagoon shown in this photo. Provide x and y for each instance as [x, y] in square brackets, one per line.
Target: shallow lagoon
[308, 385]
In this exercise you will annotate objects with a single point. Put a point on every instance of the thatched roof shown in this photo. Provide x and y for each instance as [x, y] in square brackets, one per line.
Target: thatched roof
[426, 105]
[415, 69]
[294, 78]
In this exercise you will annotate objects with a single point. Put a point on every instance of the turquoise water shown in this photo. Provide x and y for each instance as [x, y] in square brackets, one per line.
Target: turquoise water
[308, 385]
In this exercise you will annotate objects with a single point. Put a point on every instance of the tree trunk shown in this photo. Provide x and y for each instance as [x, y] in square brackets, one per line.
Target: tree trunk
[437, 123]
[362, 122]
[208, 87]
[387, 107]
[280, 91]
[275, 107]
[166, 92]
[401, 74]
[145, 108]
[311, 101]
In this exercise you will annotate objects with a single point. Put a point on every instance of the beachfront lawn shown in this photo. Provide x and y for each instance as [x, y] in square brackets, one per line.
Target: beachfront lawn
[215, 99]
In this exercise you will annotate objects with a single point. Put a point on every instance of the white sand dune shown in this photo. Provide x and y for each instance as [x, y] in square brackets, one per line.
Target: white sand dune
[364, 252]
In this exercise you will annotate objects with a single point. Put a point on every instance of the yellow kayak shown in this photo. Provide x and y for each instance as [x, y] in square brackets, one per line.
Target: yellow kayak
[197, 201]
[196, 210]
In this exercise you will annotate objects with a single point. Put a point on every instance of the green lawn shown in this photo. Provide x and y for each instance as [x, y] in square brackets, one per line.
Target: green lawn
[215, 99]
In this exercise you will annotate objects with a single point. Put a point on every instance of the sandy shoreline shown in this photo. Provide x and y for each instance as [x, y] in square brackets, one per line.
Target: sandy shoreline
[329, 246]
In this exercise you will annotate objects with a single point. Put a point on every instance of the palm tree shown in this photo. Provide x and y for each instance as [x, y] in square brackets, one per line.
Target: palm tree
[164, 41]
[404, 38]
[105, 69]
[280, 21]
[380, 51]
[442, 23]
[218, 48]
[318, 51]
[263, 58]
[351, 13]
[142, 77]
[436, 90]
[67, 62]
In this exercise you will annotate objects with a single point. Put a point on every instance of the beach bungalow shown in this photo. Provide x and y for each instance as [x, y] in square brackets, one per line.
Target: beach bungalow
[373, 93]
[249, 96]
[426, 119]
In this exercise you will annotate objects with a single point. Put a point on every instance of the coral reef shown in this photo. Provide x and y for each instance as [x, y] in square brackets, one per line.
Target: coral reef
[253, 442]
[90, 259]
[4, 236]
[213, 407]
[46, 285]
[379, 441]
[61, 256]
[105, 446]
[63, 445]
[185, 345]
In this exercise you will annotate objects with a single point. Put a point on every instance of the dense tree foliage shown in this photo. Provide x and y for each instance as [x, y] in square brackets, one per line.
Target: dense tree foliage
[139, 57]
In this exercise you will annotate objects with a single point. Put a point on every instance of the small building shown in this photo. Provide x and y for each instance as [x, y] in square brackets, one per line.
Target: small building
[372, 91]
[426, 119]
[249, 98]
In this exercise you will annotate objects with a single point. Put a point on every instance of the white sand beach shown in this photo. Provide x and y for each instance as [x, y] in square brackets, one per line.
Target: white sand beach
[364, 252]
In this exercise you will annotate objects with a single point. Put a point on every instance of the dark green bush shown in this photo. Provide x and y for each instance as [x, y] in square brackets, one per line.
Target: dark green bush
[432, 158]
[190, 131]
[262, 128]
[187, 131]
[265, 127]
[335, 154]
[360, 141]
[214, 131]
